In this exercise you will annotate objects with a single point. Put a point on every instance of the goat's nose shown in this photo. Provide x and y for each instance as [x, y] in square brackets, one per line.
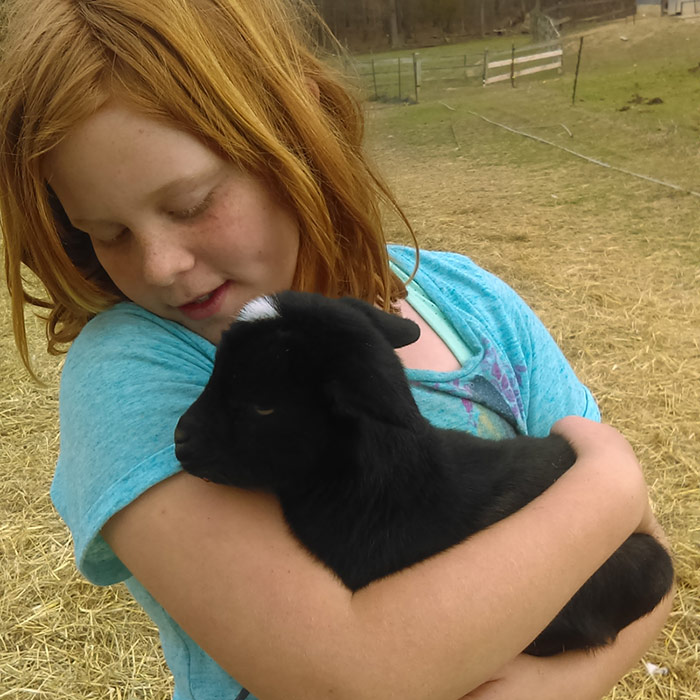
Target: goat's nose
[181, 436]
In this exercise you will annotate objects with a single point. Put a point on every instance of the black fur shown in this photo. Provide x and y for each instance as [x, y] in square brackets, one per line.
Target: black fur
[314, 406]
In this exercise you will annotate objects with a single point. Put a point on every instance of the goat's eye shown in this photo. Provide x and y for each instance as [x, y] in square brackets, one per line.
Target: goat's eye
[264, 411]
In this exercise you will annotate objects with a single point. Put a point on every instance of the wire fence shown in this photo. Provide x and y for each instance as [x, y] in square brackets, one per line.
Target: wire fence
[401, 79]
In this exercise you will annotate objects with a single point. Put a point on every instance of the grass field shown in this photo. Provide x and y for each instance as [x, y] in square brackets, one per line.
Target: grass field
[610, 262]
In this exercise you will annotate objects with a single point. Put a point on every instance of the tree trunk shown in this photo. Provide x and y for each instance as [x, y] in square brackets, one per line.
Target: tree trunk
[394, 24]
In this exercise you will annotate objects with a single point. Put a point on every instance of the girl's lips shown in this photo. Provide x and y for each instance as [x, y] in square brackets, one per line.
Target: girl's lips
[196, 311]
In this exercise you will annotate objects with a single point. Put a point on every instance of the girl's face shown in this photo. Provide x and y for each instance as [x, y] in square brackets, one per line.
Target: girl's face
[180, 231]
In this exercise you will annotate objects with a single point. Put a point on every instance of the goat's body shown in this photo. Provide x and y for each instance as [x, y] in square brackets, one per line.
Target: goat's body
[432, 489]
[447, 488]
[365, 482]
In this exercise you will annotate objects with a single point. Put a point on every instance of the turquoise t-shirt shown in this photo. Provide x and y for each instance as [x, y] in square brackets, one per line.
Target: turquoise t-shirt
[130, 375]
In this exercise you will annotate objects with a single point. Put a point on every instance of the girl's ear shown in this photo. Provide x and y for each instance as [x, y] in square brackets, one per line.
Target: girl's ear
[397, 330]
[314, 89]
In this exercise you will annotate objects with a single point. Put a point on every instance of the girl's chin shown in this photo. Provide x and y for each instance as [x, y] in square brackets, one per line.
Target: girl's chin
[211, 331]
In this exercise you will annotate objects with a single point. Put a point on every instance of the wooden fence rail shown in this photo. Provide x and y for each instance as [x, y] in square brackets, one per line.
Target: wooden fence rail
[493, 69]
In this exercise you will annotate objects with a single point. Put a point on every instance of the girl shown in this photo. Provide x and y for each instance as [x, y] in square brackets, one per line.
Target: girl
[162, 163]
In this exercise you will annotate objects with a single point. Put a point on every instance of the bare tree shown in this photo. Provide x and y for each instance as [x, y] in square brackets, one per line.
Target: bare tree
[393, 17]
[370, 23]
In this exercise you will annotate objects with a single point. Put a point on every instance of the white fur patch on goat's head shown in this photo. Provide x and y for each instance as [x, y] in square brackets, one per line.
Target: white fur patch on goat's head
[259, 308]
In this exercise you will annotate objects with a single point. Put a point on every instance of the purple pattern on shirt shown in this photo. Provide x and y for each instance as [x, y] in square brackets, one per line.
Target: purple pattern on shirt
[489, 395]
[506, 379]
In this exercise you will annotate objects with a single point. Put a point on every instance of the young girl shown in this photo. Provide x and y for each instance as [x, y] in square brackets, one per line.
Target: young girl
[162, 163]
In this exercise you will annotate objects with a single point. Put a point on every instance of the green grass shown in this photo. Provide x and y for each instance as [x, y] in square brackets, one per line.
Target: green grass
[620, 72]
[611, 120]
[616, 74]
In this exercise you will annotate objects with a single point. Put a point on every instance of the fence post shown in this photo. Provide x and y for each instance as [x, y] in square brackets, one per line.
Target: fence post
[398, 62]
[374, 80]
[512, 66]
[486, 67]
[416, 73]
[578, 63]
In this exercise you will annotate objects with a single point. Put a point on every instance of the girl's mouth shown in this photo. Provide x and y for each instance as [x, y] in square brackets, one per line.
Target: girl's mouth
[205, 306]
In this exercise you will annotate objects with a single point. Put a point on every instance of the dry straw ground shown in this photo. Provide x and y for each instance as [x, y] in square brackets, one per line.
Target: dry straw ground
[610, 263]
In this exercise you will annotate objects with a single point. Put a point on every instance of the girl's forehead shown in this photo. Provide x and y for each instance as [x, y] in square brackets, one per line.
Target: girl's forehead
[116, 123]
[118, 133]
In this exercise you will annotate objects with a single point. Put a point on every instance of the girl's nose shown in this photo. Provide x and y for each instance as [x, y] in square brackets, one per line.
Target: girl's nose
[164, 257]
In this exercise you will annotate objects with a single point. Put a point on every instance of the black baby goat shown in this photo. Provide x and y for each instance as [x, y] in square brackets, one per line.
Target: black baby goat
[309, 401]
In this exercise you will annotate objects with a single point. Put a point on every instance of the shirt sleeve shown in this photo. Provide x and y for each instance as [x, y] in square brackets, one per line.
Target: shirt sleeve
[553, 390]
[489, 315]
[127, 379]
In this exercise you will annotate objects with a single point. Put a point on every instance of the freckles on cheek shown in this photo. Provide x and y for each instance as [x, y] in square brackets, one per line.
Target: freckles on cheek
[226, 227]
[220, 233]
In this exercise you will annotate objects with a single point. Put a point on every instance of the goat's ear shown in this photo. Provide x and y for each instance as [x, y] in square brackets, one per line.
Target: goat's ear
[372, 383]
[386, 402]
[397, 330]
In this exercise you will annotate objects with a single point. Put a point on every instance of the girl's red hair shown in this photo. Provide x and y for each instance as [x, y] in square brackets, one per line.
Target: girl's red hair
[238, 74]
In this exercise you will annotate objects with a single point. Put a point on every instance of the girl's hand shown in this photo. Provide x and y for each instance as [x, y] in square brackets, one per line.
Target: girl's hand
[521, 679]
[601, 444]
[575, 675]
[590, 438]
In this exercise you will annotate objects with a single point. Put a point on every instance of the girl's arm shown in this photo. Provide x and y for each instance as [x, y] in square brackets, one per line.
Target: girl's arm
[223, 564]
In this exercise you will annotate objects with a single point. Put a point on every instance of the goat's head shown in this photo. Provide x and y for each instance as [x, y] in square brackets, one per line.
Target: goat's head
[294, 376]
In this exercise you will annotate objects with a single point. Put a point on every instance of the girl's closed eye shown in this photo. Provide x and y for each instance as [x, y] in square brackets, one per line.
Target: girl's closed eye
[183, 214]
[111, 240]
[195, 210]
